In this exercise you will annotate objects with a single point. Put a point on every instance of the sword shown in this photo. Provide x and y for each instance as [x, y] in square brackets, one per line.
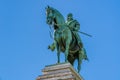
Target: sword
[85, 33]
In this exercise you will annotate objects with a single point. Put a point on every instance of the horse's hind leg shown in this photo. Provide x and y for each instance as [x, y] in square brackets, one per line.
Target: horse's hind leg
[71, 58]
[79, 61]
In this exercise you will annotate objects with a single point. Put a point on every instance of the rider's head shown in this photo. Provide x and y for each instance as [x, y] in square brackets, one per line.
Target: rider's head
[69, 17]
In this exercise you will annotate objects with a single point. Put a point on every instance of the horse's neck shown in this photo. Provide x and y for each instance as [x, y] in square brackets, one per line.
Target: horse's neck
[60, 24]
[60, 21]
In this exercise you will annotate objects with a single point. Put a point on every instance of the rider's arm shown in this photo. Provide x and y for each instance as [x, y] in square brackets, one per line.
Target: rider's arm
[77, 26]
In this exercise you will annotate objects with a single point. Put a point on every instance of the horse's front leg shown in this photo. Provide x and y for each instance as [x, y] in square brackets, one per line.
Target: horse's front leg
[58, 53]
[67, 50]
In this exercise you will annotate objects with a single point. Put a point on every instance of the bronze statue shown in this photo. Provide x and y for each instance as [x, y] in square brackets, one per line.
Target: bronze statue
[65, 39]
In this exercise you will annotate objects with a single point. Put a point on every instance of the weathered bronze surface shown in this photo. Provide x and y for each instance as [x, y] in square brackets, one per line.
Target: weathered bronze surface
[66, 37]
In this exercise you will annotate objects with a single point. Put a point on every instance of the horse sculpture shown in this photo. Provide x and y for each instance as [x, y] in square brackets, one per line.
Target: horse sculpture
[64, 40]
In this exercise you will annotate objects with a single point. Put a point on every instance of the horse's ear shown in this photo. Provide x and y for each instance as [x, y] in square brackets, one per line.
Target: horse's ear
[47, 7]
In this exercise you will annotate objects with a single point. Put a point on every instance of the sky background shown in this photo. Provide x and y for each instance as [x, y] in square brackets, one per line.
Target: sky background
[24, 37]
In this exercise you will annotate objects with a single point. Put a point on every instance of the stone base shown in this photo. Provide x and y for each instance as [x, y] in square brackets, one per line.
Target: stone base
[62, 71]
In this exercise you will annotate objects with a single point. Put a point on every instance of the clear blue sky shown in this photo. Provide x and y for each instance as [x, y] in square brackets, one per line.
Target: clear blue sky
[24, 37]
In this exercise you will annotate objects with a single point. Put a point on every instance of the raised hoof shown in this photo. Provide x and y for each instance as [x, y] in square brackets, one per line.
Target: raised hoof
[49, 47]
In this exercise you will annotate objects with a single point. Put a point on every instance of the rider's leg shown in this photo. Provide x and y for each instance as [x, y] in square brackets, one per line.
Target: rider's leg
[79, 40]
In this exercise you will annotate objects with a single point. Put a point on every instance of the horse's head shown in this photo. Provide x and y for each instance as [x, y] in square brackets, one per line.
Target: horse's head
[49, 15]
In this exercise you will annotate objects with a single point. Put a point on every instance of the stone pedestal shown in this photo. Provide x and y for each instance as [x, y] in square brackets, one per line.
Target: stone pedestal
[62, 71]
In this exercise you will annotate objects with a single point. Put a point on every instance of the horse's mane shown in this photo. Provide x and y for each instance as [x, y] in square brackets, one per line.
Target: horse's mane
[57, 12]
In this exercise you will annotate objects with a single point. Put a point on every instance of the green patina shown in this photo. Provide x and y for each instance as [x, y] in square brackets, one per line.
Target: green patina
[66, 37]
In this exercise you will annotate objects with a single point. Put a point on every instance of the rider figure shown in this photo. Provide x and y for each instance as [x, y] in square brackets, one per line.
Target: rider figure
[74, 27]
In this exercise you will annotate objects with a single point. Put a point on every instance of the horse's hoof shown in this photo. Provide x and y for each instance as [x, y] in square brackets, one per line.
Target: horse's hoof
[58, 63]
[48, 47]
[66, 61]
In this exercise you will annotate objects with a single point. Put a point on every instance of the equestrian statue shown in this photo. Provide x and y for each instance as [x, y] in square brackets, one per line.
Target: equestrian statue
[66, 37]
